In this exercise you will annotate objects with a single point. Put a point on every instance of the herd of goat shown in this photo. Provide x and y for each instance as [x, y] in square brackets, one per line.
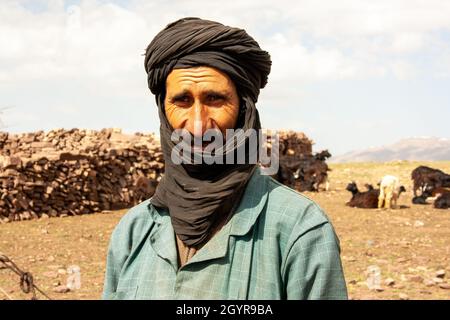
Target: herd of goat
[309, 173]
[428, 181]
[306, 173]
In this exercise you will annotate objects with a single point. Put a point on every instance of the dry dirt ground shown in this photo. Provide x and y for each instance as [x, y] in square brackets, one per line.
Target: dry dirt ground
[409, 245]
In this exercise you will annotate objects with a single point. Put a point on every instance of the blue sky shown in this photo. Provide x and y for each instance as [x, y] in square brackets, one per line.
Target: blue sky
[350, 74]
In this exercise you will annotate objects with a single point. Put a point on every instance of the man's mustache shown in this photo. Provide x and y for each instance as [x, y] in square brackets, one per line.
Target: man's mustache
[211, 136]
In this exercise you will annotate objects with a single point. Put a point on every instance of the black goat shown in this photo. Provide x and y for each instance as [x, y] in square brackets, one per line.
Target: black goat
[322, 155]
[424, 177]
[285, 175]
[314, 171]
[443, 201]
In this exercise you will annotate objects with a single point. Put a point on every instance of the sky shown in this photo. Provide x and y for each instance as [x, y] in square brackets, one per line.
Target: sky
[349, 74]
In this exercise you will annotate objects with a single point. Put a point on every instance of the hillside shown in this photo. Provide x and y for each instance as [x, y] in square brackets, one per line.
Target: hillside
[414, 149]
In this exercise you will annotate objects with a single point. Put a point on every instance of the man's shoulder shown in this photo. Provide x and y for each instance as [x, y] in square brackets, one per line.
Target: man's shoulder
[291, 218]
[136, 219]
[291, 210]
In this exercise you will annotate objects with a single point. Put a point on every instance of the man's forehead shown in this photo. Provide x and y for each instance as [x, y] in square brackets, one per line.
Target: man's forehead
[183, 78]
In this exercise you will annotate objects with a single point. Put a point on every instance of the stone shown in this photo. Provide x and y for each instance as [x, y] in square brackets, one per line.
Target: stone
[61, 289]
[62, 271]
[373, 280]
[438, 280]
[50, 274]
[389, 282]
[425, 292]
[70, 172]
[10, 162]
[417, 279]
[74, 277]
[349, 259]
[440, 273]
[370, 243]
[445, 286]
[421, 268]
[418, 224]
[403, 296]
[428, 282]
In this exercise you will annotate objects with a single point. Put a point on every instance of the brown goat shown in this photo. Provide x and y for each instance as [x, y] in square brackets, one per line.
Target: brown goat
[144, 188]
[367, 199]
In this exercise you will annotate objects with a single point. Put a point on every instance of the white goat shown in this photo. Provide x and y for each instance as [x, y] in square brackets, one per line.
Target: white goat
[390, 190]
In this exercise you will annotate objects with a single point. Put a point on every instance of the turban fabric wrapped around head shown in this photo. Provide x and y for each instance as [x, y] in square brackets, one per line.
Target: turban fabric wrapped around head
[199, 196]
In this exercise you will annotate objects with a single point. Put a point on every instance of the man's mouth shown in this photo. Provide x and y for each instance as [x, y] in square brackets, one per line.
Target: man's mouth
[200, 147]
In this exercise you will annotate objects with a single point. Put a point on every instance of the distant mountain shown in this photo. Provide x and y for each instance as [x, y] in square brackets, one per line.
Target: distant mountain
[420, 149]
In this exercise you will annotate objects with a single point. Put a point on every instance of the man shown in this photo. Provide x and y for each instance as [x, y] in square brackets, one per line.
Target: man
[218, 231]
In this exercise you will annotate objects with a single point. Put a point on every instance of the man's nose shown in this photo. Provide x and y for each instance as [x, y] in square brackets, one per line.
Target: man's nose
[198, 121]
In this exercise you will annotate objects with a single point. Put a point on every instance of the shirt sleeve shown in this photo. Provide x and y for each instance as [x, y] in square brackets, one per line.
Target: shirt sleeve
[117, 254]
[313, 267]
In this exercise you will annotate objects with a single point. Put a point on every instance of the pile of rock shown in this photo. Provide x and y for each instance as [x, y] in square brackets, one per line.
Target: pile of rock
[71, 172]
[300, 169]
[294, 143]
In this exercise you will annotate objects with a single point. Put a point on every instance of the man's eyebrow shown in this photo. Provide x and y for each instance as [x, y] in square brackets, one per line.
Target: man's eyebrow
[221, 93]
[179, 95]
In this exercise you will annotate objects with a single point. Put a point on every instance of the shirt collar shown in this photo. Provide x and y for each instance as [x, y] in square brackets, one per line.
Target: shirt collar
[251, 205]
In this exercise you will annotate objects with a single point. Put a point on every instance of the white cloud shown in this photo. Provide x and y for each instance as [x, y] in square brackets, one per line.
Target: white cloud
[407, 42]
[403, 70]
[103, 42]
[96, 48]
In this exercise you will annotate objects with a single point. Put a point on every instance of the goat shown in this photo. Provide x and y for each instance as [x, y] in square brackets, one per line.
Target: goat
[285, 175]
[144, 188]
[314, 169]
[390, 190]
[367, 199]
[322, 155]
[443, 201]
[429, 192]
[304, 172]
[323, 176]
[424, 176]
[420, 199]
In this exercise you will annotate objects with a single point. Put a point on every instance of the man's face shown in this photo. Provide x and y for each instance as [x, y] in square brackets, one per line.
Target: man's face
[204, 95]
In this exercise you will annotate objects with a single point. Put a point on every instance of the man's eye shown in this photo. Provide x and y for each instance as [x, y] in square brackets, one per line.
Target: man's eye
[214, 97]
[183, 99]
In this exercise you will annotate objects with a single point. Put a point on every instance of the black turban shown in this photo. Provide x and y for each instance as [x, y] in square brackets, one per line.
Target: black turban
[199, 196]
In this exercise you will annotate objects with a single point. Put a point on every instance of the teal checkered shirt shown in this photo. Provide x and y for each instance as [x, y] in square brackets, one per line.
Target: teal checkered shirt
[278, 245]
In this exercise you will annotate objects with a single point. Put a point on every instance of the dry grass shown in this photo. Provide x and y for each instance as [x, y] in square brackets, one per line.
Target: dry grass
[390, 239]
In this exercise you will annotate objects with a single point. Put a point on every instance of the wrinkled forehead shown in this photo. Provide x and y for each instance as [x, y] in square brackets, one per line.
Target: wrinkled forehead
[197, 78]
